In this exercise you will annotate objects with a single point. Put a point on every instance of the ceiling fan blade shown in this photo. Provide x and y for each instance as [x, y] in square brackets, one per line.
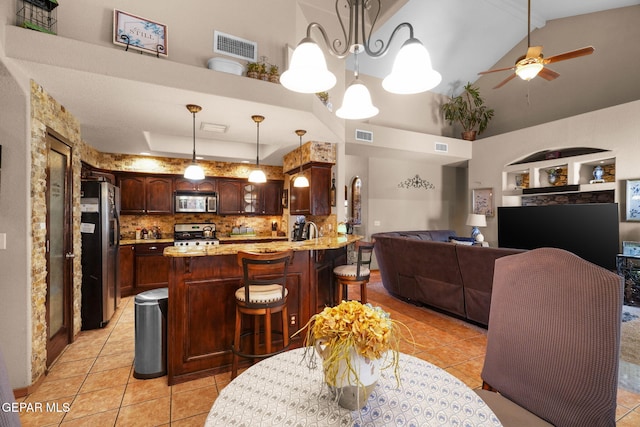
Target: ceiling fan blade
[497, 69]
[548, 74]
[569, 55]
[505, 81]
[534, 51]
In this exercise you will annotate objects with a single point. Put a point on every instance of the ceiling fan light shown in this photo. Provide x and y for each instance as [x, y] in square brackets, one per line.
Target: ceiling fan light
[301, 181]
[356, 104]
[412, 71]
[308, 71]
[529, 71]
[194, 171]
[257, 176]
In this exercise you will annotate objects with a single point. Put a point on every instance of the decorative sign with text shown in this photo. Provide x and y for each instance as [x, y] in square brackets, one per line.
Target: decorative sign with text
[139, 33]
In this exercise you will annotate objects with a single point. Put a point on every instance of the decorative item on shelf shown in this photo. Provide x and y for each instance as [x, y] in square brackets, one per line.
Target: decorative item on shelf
[194, 171]
[468, 110]
[39, 15]
[262, 69]
[257, 175]
[253, 70]
[598, 173]
[274, 75]
[301, 180]
[355, 341]
[552, 175]
[139, 33]
[411, 73]
[475, 221]
[519, 180]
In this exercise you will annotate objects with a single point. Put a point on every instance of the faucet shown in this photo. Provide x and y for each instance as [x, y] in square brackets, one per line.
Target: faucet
[315, 234]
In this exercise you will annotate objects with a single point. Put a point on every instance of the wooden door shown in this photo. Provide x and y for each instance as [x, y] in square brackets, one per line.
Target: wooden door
[132, 196]
[230, 195]
[59, 247]
[271, 198]
[159, 195]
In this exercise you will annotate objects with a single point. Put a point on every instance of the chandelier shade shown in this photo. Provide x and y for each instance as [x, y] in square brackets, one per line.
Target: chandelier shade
[308, 71]
[301, 180]
[194, 171]
[357, 104]
[412, 71]
[257, 176]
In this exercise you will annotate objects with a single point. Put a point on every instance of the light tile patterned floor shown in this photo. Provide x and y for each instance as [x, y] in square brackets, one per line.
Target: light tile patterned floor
[94, 375]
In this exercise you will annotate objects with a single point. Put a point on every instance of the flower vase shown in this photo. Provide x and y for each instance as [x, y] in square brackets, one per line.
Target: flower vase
[351, 380]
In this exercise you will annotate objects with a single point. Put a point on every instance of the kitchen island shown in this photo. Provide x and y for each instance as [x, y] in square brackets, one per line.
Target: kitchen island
[202, 284]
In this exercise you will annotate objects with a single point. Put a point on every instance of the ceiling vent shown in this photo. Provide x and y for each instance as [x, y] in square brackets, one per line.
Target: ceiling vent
[442, 147]
[364, 135]
[227, 44]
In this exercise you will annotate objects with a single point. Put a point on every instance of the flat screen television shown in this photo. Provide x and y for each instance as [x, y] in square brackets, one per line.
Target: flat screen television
[588, 230]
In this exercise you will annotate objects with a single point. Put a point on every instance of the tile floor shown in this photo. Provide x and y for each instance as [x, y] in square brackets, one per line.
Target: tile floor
[94, 375]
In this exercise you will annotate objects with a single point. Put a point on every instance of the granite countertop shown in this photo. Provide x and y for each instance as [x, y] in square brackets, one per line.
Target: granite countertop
[245, 237]
[140, 241]
[262, 247]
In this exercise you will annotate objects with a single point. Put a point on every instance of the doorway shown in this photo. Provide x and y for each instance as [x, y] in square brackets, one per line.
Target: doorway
[59, 246]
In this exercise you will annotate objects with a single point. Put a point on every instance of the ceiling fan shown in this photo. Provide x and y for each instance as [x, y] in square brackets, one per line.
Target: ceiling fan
[533, 63]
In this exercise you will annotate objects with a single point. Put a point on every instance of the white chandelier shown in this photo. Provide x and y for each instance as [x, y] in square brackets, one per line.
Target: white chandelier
[411, 73]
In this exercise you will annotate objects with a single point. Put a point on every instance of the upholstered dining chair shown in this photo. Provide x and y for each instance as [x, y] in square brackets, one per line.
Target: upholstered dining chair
[355, 274]
[553, 341]
[263, 292]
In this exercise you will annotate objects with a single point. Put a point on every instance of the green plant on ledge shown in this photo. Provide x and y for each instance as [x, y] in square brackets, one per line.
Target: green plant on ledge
[469, 111]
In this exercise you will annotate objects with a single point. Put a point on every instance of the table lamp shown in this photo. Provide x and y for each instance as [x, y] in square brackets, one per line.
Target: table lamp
[475, 221]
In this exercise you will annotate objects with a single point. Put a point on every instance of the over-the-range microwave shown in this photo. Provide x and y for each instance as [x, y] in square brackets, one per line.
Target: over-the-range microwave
[195, 202]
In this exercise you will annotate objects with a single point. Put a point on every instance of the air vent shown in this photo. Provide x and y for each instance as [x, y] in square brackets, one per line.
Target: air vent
[442, 147]
[235, 46]
[364, 135]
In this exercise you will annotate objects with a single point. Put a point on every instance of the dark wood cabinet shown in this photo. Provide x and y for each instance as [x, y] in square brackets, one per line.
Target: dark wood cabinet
[315, 199]
[323, 281]
[237, 196]
[126, 273]
[151, 266]
[145, 194]
[207, 185]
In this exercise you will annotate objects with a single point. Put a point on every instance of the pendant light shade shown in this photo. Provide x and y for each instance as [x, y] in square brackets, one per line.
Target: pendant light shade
[356, 104]
[529, 71]
[308, 71]
[257, 176]
[194, 171]
[412, 71]
[301, 180]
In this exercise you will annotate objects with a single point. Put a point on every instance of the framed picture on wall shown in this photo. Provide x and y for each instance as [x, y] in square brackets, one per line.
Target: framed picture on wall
[482, 201]
[139, 33]
[633, 200]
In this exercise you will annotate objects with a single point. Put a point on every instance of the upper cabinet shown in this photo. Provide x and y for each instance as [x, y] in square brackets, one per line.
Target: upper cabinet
[207, 185]
[141, 194]
[315, 199]
[237, 196]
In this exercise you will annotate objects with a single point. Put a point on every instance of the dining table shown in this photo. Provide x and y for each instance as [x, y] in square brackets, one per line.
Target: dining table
[289, 389]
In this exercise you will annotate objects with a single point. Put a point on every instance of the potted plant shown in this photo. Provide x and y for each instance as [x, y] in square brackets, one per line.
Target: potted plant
[262, 70]
[469, 111]
[253, 69]
[274, 76]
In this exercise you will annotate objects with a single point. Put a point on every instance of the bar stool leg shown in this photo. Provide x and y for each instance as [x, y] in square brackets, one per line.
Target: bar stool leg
[267, 330]
[285, 327]
[236, 344]
[340, 290]
[363, 292]
[256, 333]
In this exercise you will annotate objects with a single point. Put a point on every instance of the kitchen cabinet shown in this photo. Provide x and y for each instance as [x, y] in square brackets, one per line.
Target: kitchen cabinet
[151, 267]
[236, 196]
[126, 273]
[141, 194]
[315, 199]
[207, 185]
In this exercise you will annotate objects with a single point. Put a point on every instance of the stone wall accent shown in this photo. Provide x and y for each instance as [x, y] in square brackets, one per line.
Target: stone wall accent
[46, 112]
[311, 152]
[606, 196]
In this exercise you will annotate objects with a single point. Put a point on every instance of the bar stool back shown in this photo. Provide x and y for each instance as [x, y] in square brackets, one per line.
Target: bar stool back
[355, 274]
[264, 292]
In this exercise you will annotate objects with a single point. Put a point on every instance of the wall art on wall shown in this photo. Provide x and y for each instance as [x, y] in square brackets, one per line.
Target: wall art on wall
[633, 200]
[139, 33]
[631, 248]
[483, 201]
[416, 182]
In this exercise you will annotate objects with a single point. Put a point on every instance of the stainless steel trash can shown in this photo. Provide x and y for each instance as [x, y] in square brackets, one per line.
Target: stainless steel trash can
[151, 333]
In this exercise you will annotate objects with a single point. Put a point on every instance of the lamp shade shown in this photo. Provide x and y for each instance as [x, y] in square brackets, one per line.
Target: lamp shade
[477, 220]
[356, 104]
[529, 71]
[301, 181]
[412, 71]
[257, 176]
[308, 71]
[194, 171]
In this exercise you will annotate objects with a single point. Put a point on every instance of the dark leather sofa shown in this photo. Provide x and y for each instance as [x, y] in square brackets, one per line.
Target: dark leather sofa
[425, 267]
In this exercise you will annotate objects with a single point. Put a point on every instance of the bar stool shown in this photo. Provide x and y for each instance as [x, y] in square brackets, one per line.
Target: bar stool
[263, 292]
[355, 274]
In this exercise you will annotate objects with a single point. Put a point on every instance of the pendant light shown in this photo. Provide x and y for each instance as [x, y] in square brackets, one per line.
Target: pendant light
[356, 104]
[257, 176]
[194, 171]
[301, 180]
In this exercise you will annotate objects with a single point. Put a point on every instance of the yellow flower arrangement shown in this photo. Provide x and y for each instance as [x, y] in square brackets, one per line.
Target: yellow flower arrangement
[353, 327]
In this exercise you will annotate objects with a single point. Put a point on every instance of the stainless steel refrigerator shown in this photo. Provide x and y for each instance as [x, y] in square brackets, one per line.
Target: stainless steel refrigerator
[100, 229]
